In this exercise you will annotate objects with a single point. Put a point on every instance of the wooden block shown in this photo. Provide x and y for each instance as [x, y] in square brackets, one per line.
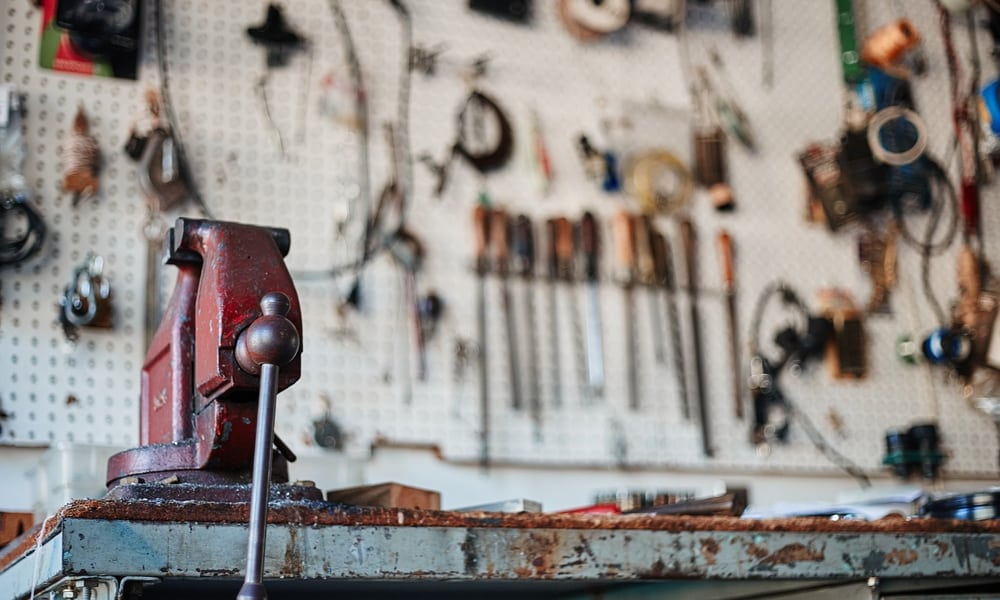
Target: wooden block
[387, 495]
[13, 524]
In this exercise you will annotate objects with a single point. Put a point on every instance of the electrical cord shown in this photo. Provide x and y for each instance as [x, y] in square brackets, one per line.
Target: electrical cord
[168, 109]
[369, 250]
[945, 198]
[27, 239]
[790, 298]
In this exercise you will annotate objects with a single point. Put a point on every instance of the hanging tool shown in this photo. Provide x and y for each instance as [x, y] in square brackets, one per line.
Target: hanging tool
[624, 232]
[86, 301]
[725, 246]
[499, 237]
[664, 261]
[408, 253]
[691, 260]
[481, 223]
[22, 229]
[590, 246]
[552, 266]
[473, 140]
[645, 269]
[566, 247]
[280, 42]
[524, 266]
[81, 156]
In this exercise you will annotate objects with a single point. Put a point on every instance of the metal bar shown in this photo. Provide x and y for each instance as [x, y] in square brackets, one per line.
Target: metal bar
[253, 587]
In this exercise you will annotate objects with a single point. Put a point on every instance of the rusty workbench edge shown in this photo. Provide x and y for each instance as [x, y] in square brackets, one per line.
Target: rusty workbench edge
[330, 514]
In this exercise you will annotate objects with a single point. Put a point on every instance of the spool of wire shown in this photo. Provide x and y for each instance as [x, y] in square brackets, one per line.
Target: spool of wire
[660, 181]
[879, 133]
[889, 43]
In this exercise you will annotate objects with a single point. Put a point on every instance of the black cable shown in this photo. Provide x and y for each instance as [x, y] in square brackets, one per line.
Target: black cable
[15, 249]
[168, 109]
[368, 249]
[789, 297]
[928, 246]
[817, 439]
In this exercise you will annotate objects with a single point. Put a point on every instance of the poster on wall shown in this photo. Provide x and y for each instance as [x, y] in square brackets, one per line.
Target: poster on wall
[97, 38]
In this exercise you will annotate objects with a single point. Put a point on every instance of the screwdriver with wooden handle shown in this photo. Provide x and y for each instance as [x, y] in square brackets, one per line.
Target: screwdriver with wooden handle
[481, 224]
[552, 272]
[565, 252]
[624, 234]
[524, 266]
[691, 261]
[590, 247]
[499, 236]
[664, 260]
[645, 266]
[725, 246]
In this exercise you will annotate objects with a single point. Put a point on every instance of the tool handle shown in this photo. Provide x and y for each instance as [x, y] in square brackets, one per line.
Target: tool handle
[590, 245]
[565, 247]
[524, 246]
[690, 242]
[551, 242]
[498, 238]
[645, 262]
[725, 244]
[481, 222]
[624, 232]
[658, 248]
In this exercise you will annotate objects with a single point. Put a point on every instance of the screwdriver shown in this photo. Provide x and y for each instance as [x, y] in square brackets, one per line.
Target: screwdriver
[481, 223]
[725, 245]
[624, 233]
[552, 266]
[499, 235]
[524, 266]
[565, 251]
[590, 247]
[691, 261]
[645, 265]
[664, 262]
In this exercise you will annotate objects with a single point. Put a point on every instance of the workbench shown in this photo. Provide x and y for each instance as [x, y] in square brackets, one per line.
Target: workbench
[196, 550]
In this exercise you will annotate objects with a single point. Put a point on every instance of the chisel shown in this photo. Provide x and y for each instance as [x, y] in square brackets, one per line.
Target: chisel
[499, 235]
[725, 245]
[590, 246]
[524, 266]
[552, 266]
[624, 234]
[481, 222]
[664, 261]
[691, 261]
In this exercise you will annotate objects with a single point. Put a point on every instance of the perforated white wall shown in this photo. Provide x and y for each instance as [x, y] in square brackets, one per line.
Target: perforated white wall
[362, 364]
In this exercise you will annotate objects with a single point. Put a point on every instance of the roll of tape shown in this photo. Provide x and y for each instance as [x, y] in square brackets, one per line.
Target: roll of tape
[881, 153]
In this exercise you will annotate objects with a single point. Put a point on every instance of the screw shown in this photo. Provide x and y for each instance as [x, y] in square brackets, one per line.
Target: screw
[306, 483]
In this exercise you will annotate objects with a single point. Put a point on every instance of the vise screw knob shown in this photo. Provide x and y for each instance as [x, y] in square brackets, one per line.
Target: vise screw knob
[271, 339]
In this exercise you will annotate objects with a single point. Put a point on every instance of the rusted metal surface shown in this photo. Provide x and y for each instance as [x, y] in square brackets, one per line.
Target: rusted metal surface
[318, 540]
[338, 514]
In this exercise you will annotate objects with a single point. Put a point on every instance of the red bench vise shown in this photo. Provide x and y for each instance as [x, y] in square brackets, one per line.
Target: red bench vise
[198, 405]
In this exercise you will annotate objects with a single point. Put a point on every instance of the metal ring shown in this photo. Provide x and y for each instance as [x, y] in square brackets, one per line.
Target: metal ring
[880, 120]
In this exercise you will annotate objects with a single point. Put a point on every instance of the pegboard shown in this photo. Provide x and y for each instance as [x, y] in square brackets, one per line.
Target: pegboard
[359, 366]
